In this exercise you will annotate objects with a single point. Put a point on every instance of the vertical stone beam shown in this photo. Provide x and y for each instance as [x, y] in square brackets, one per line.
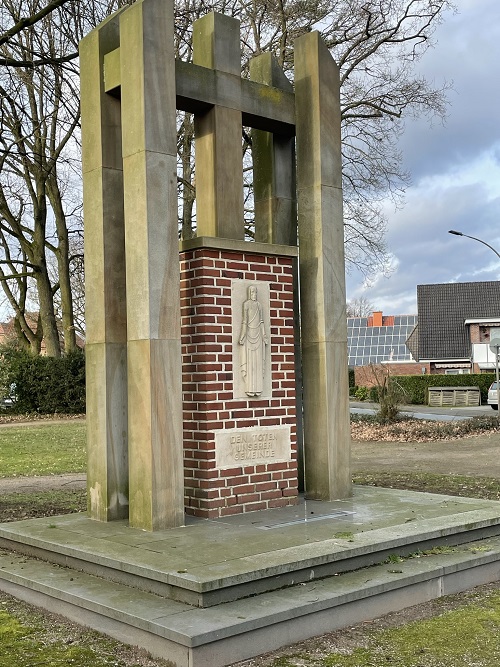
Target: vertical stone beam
[218, 146]
[274, 190]
[106, 344]
[322, 271]
[152, 253]
[273, 167]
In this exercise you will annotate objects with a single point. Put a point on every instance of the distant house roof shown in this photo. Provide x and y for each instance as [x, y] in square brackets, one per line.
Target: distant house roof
[378, 338]
[8, 332]
[442, 311]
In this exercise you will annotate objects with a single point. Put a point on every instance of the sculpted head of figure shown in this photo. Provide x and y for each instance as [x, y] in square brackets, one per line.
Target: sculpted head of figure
[252, 292]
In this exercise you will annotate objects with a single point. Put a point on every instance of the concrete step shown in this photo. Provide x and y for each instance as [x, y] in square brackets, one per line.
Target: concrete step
[219, 635]
[207, 563]
[214, 592]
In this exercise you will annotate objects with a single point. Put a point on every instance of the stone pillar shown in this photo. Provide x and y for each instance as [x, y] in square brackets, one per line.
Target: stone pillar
[106, 344]
[274, 187]
[273, 167]
[322, 274]
[218, 144]
[152, 254]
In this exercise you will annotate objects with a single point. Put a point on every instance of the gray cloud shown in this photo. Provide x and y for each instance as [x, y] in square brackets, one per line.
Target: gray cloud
[455, 169]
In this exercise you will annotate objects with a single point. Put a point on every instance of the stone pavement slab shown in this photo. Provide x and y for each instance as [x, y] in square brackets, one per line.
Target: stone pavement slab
[208, 562]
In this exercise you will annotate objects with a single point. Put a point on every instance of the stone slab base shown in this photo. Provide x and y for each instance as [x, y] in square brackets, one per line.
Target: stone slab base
[217, 591]
[190, 637]
[207, 563]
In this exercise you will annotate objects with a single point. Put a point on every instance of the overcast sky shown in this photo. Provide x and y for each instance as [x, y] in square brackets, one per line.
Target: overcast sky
[455, 170]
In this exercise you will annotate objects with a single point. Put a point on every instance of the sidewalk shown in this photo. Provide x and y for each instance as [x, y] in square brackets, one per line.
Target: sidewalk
[426, 411]
[68, 481]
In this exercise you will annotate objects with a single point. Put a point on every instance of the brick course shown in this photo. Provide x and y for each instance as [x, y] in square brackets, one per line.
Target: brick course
[207, 363]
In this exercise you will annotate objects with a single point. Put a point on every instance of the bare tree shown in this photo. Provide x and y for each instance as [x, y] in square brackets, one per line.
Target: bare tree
[360, 307]
[31, 17]
[376, 44]
[40, 187]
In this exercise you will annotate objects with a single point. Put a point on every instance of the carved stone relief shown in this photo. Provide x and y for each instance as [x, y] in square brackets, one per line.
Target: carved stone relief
[251, 339]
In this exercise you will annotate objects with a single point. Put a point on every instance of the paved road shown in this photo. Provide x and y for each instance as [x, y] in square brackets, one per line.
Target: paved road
[427, 412]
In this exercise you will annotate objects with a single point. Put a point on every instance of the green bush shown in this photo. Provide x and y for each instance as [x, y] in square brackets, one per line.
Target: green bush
[416, 386]
[352, 381]
[361, 393]
[45, 385]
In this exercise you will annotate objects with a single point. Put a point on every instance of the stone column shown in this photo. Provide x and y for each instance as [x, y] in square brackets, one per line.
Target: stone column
[275, 203]
[273, 167]
[152, 254]
[218, 144]
[106, 335]
[322, 273]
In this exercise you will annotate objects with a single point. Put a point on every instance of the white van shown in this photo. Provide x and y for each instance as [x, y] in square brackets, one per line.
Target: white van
[493, 396]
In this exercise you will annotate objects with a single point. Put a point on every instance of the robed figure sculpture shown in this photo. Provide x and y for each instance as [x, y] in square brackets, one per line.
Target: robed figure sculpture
[253, 339]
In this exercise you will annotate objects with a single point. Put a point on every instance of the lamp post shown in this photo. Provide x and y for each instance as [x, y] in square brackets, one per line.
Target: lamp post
[454, 231]
[494, 344]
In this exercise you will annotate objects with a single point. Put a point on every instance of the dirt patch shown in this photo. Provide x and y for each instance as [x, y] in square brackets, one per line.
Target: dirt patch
[476, 456]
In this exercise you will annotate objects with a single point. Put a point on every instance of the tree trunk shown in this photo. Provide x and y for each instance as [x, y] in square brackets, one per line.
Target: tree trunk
[62, 254]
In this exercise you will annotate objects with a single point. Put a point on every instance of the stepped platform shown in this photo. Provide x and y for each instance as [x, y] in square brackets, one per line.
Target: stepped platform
[217, 591]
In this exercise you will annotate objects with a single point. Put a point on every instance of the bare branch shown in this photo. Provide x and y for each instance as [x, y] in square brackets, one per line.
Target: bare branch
[30, 20]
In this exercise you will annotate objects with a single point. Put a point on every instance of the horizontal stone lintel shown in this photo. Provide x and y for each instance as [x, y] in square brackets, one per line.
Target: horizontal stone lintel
[199, 88]
[239, 246]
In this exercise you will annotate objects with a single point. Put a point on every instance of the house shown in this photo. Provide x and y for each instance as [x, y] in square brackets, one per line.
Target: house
[450, 335]
[8, 332]
[456, 322]
[380, 339]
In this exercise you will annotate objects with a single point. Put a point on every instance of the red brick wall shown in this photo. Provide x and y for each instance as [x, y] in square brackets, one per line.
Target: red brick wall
[363, 375]
[474, 333]
[207, 373]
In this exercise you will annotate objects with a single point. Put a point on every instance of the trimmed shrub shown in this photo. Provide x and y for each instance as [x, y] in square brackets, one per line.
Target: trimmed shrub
[361, 393]
[44, 385]
[416, 386]
[352, 382]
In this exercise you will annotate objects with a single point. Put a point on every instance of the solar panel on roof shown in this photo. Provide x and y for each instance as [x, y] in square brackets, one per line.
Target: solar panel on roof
[376, 344]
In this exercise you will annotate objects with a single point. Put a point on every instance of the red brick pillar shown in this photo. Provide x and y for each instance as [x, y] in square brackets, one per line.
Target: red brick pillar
[240, 454]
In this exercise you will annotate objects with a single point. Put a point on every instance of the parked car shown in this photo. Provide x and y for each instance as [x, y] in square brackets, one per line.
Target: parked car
[493, 396]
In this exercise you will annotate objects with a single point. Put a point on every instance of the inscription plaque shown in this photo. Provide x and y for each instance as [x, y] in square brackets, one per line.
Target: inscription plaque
[254, 445]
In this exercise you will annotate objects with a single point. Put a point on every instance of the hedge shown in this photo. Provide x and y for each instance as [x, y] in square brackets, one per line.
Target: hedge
[416, 386]
[44, 385]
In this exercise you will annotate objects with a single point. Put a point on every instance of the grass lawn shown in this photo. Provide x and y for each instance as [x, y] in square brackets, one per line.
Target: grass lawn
[30, 637]
[42, 449]
[468, 635]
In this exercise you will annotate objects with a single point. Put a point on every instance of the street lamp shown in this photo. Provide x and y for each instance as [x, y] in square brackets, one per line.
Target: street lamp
[453, 231]
[495, 343]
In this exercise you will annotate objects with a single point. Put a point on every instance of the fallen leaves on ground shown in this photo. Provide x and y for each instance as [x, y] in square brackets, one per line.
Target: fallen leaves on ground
[405, 429]
[15, 419]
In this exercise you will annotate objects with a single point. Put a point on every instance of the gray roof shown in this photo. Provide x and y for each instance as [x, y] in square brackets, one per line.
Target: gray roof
[442, 311]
